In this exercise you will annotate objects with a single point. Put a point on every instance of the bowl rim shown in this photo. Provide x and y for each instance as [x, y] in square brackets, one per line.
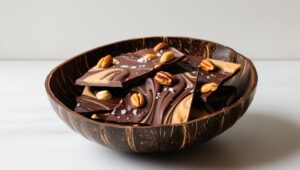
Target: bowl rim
[247, 94]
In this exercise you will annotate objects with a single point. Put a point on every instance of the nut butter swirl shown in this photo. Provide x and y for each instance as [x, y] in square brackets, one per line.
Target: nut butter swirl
[161, 102]
[126, 69]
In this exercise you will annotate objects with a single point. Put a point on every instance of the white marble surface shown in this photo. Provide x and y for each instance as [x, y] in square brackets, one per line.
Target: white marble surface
[32, 136]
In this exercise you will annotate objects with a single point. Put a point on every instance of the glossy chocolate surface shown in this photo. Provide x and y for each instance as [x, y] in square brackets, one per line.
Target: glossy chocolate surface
[62, 92]
[162, 102]
[128, 69]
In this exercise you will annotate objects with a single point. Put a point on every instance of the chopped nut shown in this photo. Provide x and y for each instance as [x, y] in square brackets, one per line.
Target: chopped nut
[156, 66]
[149, 56]
[160, 46]
[167, 57]
[137, 100]
[164, 78]
[105, 62]
[98, 116]
[226, 66]
[103, 95]
[209, 87]
[207, 65]
[115, 61]
[185, 59]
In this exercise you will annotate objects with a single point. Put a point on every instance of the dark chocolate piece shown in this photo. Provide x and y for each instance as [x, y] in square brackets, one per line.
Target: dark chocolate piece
[209, 77]
[88, 103]
[164, 104]
[217, 76]
[127, 69]
[224, 96]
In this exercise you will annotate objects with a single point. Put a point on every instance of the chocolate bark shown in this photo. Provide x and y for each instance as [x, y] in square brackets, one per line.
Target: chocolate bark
[163, 104]
[217, 76]
[88, 103]
[128, 68]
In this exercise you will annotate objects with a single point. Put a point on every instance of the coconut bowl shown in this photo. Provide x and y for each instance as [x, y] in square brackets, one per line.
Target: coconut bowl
[62, 92]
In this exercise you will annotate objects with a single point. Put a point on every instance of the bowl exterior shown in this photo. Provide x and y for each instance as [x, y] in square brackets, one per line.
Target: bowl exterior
[153, 138]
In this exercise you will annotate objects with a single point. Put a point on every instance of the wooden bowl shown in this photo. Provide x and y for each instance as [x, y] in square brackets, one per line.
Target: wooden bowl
[62, 92]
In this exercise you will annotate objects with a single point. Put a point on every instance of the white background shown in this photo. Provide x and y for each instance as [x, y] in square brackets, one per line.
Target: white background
[59, 29]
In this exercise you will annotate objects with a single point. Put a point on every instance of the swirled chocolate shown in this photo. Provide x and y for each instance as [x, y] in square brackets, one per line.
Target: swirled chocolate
[128, 68]
[163, 104]
[88, 103]
[124, 90]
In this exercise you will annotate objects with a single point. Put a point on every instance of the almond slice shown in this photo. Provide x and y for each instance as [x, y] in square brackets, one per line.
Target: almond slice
[103, 95]
[226, 66]
[99, 116]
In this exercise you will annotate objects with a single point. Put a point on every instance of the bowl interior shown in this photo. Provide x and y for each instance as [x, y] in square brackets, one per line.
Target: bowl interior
[63, 77]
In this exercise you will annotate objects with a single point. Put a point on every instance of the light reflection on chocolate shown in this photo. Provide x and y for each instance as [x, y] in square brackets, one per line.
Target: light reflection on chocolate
[127, 69]
[88, 103]
[161, 102]
[173, 104]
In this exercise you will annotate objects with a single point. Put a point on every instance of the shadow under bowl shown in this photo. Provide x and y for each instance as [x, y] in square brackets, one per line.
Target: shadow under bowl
[62, 93]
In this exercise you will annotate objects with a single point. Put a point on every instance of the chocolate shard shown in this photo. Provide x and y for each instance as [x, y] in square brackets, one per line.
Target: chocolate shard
[88, 103]
[163, 104]
[218, 76]
[211, 77]
[129, 68]
[224, 96]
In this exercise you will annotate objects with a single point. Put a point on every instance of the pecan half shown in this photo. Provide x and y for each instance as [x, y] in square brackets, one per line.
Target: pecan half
[209, 87]
[207, 65]
[160, 46]
[137, 100]
[105, 62]
[164, 78]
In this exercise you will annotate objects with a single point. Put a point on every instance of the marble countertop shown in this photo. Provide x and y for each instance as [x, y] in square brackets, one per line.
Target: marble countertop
[33, 137]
